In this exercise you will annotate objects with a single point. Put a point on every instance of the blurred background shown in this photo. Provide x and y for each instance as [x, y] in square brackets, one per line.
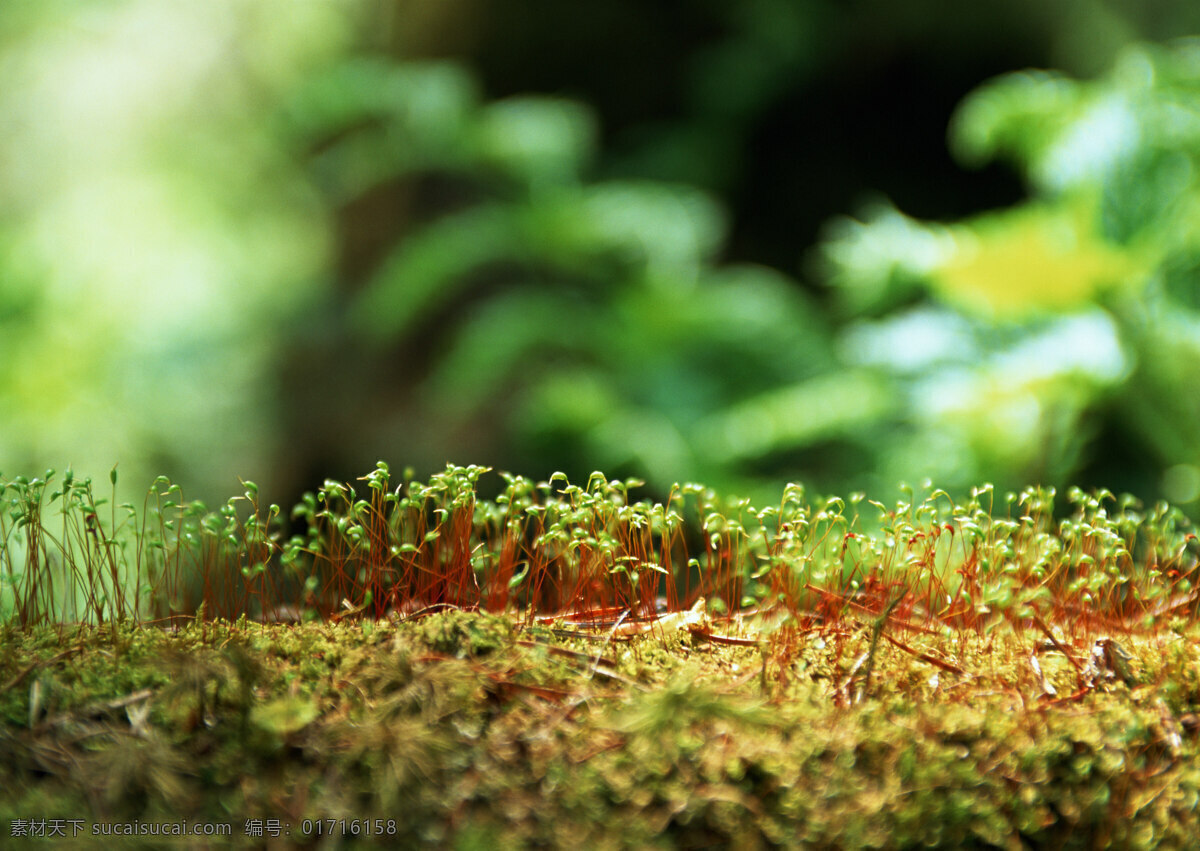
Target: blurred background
[845, 242]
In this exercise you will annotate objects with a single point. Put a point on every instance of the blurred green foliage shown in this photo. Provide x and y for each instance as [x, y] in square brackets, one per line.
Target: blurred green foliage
[590, 314]
[250, 245]
[1019, 335]
[155, 247]
[601, 328]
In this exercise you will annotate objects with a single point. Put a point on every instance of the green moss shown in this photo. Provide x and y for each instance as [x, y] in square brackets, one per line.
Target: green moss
[970, 699]
[459, 633]
[462, 736]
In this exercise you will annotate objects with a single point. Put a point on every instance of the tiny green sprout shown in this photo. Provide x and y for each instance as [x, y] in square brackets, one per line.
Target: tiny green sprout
[519, 576]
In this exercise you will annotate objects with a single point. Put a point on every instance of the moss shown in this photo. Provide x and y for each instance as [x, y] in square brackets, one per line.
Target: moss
[465, 730]
[459, 633]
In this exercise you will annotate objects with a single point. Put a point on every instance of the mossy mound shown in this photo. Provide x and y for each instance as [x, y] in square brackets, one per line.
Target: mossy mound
[474, 731]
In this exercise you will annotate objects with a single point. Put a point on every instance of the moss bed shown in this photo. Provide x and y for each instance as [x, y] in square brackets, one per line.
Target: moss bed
[466, 730]
[421, 665]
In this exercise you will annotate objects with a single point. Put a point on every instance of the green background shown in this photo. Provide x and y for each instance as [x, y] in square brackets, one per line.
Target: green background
[848, 243]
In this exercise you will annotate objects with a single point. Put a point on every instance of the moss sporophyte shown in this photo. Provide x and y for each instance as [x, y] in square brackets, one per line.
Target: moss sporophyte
[562, 664]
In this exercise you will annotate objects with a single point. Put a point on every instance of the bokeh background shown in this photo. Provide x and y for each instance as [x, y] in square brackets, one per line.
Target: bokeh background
[846, 242]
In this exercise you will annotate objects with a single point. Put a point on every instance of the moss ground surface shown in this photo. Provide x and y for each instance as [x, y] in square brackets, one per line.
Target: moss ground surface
[465, 730]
